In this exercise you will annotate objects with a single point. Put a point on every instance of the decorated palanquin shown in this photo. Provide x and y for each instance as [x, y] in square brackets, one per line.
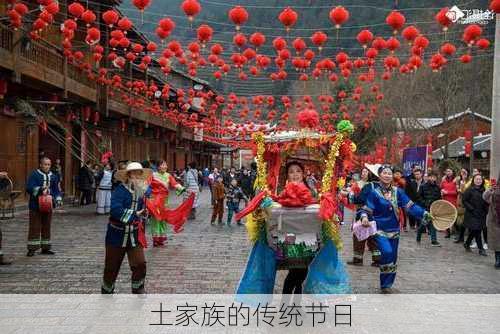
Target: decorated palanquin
[290, 229]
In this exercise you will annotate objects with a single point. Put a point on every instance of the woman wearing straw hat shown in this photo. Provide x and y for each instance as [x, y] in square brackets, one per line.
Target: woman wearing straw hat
[125, 234]
[381, 203]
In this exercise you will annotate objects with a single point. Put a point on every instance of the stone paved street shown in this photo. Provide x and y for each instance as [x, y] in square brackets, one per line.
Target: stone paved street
[210, 259]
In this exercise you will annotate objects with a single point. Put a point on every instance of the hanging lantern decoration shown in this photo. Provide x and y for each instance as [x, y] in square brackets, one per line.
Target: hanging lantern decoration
[151, 47]
[239, 40]
[238, 15]
[76, 10]
[191, 8]
[299, 45]
[257, 39]
[410, 33]
[279, 43]
[483, 44]
[443, 19]
[288, 17]
[204, 33]
[495, 6]
[93, 36]
[141, 6]
[364, 38]
[471, 34]
[216, 49]
[124, 24]
[110, 17]
[448, 49]
[393, 44]
[319, 39]
[339, 15]
[396, 21]
[88, 17]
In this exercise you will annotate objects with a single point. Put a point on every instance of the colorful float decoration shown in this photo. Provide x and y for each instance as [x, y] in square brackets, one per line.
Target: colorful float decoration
[288, 230]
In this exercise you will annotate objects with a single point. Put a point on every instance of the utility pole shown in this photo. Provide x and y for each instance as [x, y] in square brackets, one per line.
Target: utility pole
[495, 107]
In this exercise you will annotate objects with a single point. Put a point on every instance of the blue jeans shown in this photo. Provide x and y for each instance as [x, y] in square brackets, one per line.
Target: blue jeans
[422, 228]
[232, 207]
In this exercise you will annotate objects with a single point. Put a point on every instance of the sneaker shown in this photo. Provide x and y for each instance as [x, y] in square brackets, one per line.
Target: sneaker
[482, 252]
[5, 262]
[47, 252]
[473, 245]
[355, 263]
[467, 248]
[435, 244]
[485, 246]
[239, 223]
[457, 241]
[30, 253]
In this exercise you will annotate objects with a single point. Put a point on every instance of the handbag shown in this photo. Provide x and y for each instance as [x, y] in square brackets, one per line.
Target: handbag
[45, 203]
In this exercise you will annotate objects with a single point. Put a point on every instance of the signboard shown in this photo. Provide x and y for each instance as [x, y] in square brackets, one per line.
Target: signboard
[414, 156]
[198, 134]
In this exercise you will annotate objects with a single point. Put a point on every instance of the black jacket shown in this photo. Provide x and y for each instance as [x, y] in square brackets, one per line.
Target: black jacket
[85, 178]
[476, 209]
[427, 194]
[411, 189]
[246, 185]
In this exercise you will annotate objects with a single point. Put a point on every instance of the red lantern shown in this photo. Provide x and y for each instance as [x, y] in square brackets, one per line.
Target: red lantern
[88, 17]
[395, 20]
[279, 43]
[238, 15]
[204, 33]
[93, 35]
[393, 44]
[319, 38]
[471, 33]
[410, 33]
[483, 44]
[364, 37]
[466, 58]
[21, 8]
[239, 40]
[288, 17]
[151, 47]
[217, 49]
[448, 49]
[495, 6]
[124, 24]
[257, 39]
[166, 24]
[442, 19]
[339, 15]
[299, 44]
[191, 8]
[141, 4]
[110, 17]
[421, 42]
[76, 9]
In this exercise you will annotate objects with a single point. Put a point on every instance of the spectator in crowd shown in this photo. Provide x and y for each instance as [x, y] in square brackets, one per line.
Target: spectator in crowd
[96, 169]
[104, 182]
[219, 194]
[428, 193]
[246, 183]
[122, 165]
[41, 183]
[85, 182]
[492, 196]
[230, 176]
[192, 186]
[413, 185]
[462, 180]
[476, 210]
[234, 195]
[57, 168]
[3, 261]
[211, 181]
[449, 190]
[205, 174]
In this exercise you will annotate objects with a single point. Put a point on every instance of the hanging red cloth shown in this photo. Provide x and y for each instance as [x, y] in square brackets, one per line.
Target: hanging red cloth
[251, 206]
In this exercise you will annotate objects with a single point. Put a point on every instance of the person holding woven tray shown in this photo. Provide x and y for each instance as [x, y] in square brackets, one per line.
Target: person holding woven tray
[382, 201]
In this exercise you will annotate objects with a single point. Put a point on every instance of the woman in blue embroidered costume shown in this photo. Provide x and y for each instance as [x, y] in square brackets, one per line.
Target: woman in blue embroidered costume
[125, 233]
[42, 182]
[381, 202]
